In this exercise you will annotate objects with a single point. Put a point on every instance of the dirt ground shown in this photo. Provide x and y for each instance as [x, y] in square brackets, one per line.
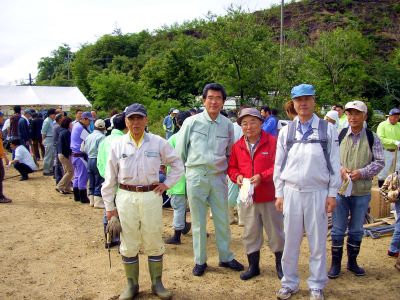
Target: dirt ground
[53, 248]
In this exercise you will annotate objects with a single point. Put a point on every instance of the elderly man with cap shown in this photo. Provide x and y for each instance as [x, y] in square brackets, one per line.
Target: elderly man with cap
[332, 116]
[204, 144]
[48, 142]
[361, 158]
[79, 133]
[252, 160]
[91, 148]
[307, 179]
[389, 133]
[132, 191]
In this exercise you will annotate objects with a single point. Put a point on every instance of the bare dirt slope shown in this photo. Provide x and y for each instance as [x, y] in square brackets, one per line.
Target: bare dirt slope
[53, 248]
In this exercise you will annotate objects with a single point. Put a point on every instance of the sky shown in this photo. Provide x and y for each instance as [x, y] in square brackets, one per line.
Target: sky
[30, 30]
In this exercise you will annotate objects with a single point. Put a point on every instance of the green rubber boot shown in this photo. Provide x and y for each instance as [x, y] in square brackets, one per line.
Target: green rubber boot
[155, 269]
[132, 276]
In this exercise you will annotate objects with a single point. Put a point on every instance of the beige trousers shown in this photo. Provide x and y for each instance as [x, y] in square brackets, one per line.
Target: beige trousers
[258, 216]
[65, 183]
[140, 214]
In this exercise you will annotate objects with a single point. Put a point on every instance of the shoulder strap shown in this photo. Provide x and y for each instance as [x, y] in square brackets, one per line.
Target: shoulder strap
[370, 138]
[289, 142]
[342, 134]
[323, 137]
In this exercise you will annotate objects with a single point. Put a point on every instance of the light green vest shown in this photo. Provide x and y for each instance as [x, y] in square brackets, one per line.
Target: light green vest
[353, 157]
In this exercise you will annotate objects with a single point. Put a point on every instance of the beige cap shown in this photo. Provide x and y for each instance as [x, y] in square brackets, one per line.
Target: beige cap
[100, 124]
[358, 105]
[249, 112]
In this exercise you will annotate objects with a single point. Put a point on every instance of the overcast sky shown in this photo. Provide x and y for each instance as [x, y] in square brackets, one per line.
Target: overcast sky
[32, 29]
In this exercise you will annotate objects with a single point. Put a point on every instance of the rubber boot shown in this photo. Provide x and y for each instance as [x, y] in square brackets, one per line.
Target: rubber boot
[83, 196]
[91, 200]
[278, 264]
[175, 239]
[76, 194]
[187, 227]
[98, 202]
[353, 249]
[337, 253]
[132, 276]
[254, 266]
[155, 269]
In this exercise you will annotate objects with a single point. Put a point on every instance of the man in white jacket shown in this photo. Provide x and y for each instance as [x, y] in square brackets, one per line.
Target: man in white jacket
[307, 179]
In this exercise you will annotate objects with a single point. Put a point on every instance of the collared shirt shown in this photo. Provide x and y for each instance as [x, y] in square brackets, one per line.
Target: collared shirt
[139, 143]
[378, 163]
[92, 143]
[205, 145]
[389, 134]
[47, 127]
[128, 164]
[306, 169]
[104, 150]
[304, 127]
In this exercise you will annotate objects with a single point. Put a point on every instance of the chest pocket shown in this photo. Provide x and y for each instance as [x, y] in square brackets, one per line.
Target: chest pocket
[152, 161]
[126, 166]
[198, 139]
[221, 144]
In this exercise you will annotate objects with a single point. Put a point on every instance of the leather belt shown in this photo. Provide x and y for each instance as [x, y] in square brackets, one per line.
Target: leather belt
[390, 150]
[78, 154]
[137, 188]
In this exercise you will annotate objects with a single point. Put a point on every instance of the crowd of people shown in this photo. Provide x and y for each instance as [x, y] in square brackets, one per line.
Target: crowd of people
[284, 180]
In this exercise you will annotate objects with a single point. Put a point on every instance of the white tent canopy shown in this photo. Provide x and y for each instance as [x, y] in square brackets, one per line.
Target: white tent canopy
[42, 95]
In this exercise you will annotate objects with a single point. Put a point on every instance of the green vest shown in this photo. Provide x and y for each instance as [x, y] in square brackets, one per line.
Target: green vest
[353, 157]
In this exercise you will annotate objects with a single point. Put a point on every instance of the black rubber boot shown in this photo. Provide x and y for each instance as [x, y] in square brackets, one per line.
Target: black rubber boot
[187, 227]
[175, 239]
[76, 194]
[83, 196]
[157, 287]
[337, 253]
[131, 266]
[278, 264]
[254, 266]
[353, 249]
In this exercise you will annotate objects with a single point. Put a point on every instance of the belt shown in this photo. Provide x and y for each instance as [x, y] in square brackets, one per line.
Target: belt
[78, 154]
[137, 188]
[390, 150]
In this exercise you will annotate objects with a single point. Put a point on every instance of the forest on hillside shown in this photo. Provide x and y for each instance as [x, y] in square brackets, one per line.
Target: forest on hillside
[347, 49]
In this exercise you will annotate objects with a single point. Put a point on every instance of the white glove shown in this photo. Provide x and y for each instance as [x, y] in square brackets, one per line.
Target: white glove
[397, 143]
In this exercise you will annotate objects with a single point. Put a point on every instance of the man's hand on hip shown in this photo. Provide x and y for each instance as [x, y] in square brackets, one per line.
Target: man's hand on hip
[161, 188]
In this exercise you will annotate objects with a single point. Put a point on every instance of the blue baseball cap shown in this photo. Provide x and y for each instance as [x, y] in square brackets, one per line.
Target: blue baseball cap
[87, 115]
[394, 111]
[302, 90]
[135, 109]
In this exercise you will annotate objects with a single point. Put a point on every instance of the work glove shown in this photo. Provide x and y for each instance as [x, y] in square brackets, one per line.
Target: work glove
[114, 227]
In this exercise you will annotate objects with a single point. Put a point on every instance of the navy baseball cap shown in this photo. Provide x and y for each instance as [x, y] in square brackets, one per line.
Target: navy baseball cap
[87, 115]
[135, 109]
[302, 90]
[394, 111]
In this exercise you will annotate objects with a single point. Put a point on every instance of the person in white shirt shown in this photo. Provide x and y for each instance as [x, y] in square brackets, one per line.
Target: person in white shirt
[23, 161]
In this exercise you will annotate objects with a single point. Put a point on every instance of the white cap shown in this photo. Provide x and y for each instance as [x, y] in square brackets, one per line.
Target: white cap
[175, 111]
[100, 124]
[358, 105]
[333, 114]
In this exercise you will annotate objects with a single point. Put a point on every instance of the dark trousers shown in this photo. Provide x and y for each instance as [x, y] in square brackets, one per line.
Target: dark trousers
[23, 169]
[36, 145]
[1, 178]
[95, 180]
[58, 170]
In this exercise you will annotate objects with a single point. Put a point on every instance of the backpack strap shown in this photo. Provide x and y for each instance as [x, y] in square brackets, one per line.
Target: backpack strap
[370, 138]
[342, 134]
[323, 137]
[289, 142]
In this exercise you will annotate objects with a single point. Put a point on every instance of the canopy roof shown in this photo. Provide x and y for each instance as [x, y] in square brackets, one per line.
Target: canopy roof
[42, 95]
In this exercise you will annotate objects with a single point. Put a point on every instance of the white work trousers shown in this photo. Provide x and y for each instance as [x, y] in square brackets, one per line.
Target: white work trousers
[305, 211]
[140, 214]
